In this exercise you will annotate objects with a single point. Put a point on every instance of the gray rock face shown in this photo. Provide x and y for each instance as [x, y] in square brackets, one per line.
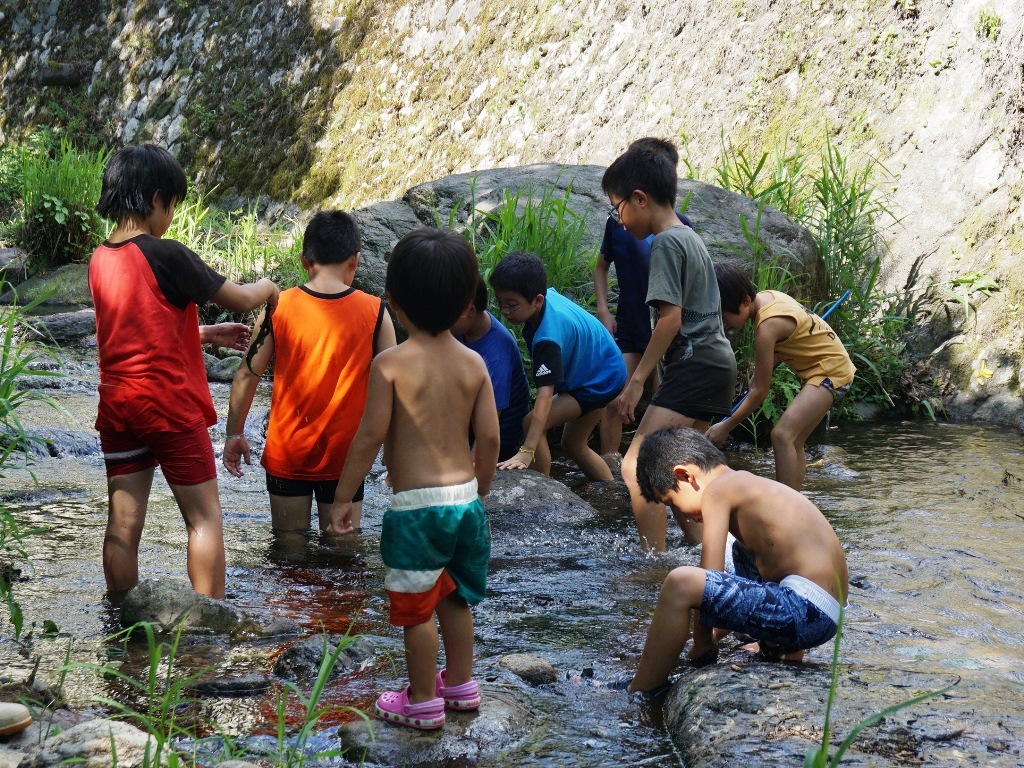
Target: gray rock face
[63, 327]
[95, 744]
[169, 603]
[531, 669]
[302, 661]
[465, 737]
[221, 369]
[530, 497]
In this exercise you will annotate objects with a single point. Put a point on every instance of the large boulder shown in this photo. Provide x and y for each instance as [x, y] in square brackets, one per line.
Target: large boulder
[717, 215]
[64, 287]
[63, 327]
[171, 603]
[526, 496]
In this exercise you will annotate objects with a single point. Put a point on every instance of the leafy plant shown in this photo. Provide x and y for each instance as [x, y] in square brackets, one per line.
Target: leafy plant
[59, 192]
[817, 757]
[988, 24]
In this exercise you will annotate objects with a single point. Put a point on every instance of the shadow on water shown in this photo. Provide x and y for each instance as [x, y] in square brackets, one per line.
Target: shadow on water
[931, 516]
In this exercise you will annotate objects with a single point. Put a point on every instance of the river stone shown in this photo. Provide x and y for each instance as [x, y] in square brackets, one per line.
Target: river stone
[95, 744]
[169, 603]
[528, 496]
[62, 327]
[531, 669]
[12, 261]
[465, 737]
[716, 213]
[246, 685]
[221, 369]
[301, 661]
[70, 286]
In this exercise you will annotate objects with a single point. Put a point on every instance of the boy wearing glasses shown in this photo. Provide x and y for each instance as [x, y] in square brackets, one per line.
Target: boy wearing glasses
[699, 367]
[577, 368]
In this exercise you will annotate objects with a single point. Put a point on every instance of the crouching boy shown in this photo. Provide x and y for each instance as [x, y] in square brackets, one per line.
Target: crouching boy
[771, 565]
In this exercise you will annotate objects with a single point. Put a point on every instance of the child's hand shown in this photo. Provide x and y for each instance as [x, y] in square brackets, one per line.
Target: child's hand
[227, 335]
[236, 448]
[339, 518]
[521, 460]
[717, 433]
[627, 401]
[608, 321]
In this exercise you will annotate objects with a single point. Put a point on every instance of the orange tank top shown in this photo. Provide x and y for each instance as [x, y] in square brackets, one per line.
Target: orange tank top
[323, 347]
[813, 351]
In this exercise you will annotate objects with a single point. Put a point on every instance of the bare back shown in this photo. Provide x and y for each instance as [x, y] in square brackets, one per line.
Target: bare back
[439, 387]
[784, 531]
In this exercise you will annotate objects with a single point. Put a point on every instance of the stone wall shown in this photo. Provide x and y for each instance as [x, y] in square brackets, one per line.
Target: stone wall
[352, 102]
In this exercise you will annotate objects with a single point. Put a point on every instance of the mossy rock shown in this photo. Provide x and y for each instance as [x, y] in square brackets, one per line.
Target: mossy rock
[65, 286]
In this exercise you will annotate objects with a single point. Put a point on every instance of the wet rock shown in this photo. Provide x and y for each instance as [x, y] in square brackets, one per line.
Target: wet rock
[531, 669]
[63, 327]
[528, 497]
[221, 369]
[465, 737]
[95, 744]
[60, 443]
[716, 213]
[279, 628]
[301, 662]
[70, 286]
[169, 603]
[247, 685]
[11, 758]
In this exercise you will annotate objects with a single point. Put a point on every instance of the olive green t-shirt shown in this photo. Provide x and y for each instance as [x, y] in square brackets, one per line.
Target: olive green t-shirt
[682, 274]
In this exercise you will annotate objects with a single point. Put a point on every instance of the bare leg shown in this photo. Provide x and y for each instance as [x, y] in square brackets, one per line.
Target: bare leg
[651, 518]
[611, 424]
[563, 408]
[290, 513]
[200, 507]
[456, 620]
[789, 435]
[421, 659]
[128, 497]
[575, 435]
[682, 591]
[542, 456]
[357, 514]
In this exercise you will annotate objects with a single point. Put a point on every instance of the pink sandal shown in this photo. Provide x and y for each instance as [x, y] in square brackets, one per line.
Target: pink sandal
[465, 697]
[394, 706]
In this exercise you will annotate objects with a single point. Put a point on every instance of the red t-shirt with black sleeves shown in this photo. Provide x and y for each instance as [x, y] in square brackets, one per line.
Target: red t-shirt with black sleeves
[152, 377]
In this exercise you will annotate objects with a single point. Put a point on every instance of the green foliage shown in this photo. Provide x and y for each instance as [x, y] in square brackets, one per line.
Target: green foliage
[19, 360]
[817, 757]
[12, 165]
[59, 191]
[988, 24]
[536, 220]
[844, 210]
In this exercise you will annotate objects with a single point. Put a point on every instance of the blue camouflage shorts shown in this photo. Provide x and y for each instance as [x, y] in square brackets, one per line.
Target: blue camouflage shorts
[793, 615]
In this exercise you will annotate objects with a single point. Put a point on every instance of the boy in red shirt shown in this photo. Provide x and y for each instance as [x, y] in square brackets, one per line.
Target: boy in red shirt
[325, 336]
[155, 405]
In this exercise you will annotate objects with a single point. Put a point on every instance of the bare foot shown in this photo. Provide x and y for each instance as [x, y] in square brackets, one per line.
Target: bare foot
[720, 634]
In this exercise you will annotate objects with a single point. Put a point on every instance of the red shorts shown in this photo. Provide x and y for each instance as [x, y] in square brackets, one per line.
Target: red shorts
[186, 458]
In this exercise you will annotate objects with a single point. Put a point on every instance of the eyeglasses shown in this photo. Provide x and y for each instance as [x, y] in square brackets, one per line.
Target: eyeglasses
[615, 212]
[508, 309]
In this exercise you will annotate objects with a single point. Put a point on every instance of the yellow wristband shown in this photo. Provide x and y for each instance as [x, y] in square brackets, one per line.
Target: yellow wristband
[524, 449]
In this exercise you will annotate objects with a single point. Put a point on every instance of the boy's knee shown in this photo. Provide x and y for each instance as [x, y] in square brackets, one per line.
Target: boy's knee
[684, 586]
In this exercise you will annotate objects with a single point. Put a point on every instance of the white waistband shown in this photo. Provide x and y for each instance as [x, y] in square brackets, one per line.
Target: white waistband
[813, 594]
[417, 498]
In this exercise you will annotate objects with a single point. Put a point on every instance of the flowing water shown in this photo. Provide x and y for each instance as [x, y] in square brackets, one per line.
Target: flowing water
[931, 515]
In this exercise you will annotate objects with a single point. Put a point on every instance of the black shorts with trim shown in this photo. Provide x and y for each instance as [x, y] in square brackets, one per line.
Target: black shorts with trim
[323, 490]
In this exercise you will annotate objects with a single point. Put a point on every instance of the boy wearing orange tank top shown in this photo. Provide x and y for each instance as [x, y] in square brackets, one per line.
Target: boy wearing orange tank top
[784, 332]
[325, 335]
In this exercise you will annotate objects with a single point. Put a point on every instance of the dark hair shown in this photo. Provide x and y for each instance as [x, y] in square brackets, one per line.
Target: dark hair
[734, 285]
[658, 145]
[521, 273]
[649, 165]
[668, 448]
[133, 175]
[480, 300]
[331, 237]
[432, 276]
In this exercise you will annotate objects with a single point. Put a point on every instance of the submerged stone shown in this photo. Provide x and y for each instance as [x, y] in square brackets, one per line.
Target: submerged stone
[170, 603]
[531, 669]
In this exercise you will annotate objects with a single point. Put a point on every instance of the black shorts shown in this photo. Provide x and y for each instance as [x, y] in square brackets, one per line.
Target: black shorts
[702, 393]
[324, 490]
[589, 406]
[632, 334]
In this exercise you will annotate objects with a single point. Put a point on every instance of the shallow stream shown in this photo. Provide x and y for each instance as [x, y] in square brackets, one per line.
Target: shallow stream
[931, 515]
